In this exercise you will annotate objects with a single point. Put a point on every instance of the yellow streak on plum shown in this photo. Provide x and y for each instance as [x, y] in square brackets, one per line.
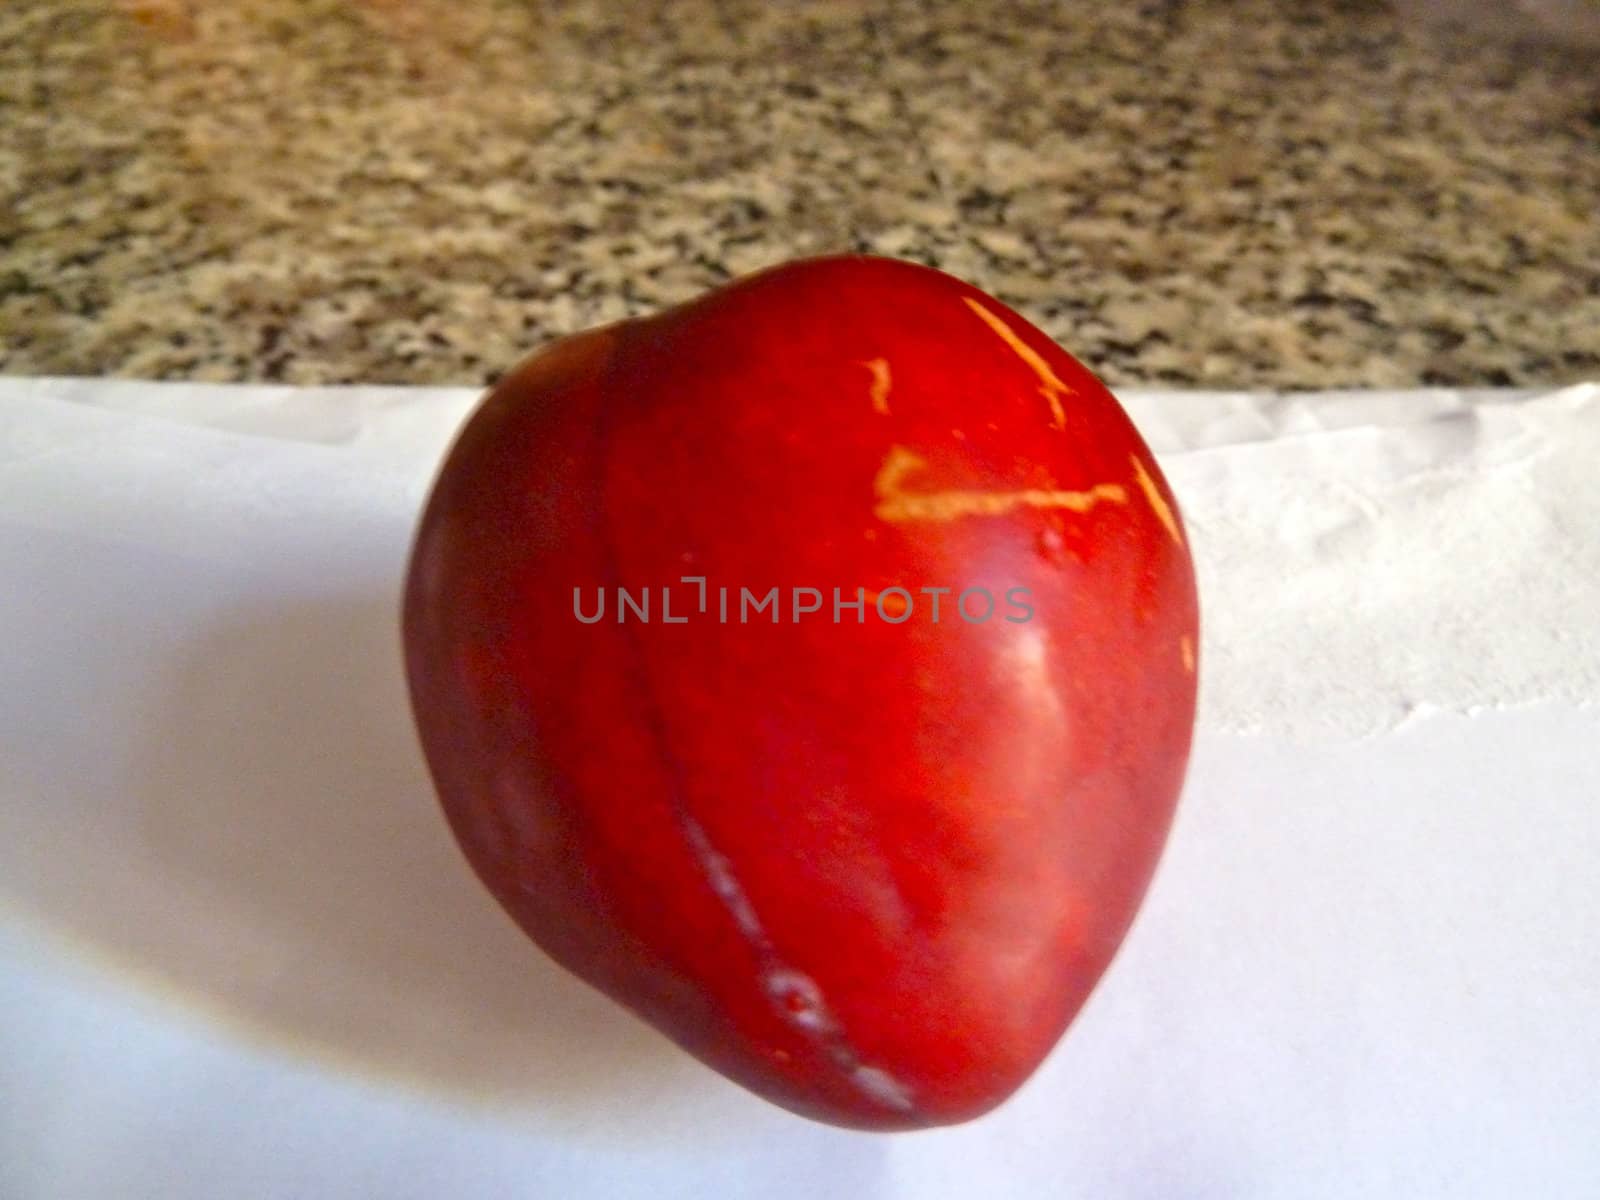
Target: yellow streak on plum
[1158, 502]
[895, 504]
[1187, 647]
[1050, 386]
[881, 384]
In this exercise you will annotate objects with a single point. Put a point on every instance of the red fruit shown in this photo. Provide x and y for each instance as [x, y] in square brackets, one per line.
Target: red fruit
[868, 870]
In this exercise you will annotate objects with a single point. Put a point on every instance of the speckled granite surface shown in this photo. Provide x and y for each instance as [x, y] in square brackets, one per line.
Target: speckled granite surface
[1243, 194]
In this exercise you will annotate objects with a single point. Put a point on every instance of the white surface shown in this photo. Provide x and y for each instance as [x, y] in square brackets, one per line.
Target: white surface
[240, 957]
[1397, 559]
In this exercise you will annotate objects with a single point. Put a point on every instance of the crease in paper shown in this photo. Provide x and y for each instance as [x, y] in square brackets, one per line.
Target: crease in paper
[1359, 580]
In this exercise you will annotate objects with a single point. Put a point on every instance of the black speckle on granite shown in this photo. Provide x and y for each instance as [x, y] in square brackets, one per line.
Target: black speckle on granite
[1240, 194]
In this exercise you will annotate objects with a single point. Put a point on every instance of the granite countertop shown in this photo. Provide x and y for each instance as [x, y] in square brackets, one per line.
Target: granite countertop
[1246, 194]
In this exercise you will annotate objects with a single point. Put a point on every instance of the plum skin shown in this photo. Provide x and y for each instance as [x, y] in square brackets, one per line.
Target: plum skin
[869, 871]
